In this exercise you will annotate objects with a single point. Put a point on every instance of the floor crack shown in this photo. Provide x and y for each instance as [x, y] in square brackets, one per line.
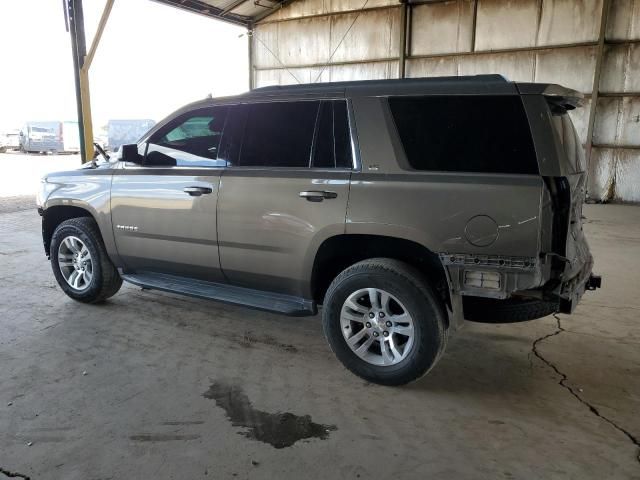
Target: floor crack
[572, 391]
[11, 474]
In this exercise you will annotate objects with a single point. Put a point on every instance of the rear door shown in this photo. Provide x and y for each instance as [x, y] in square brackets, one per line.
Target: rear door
[285, 191]
[164, 212]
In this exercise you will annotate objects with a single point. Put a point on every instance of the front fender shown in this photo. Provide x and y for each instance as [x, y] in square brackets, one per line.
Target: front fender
[85, 190]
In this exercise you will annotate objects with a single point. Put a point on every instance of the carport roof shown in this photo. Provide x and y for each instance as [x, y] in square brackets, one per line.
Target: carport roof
[239, 12]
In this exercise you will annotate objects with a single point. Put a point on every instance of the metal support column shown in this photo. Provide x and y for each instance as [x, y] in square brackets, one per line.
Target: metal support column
[74, 15]
[81, 63]
[596, 82]
[250, 46]
[402, 44]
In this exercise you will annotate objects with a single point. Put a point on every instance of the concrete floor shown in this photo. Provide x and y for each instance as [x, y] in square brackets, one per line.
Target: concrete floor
[131, 388]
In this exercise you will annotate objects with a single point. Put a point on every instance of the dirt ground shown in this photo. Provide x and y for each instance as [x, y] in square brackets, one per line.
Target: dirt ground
[153, 385]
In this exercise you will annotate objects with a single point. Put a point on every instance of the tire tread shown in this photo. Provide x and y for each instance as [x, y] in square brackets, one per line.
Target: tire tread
[400, 270]
[111, 280]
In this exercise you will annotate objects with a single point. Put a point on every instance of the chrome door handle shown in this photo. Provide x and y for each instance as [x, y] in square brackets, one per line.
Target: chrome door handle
[317, 196]
[197, 191]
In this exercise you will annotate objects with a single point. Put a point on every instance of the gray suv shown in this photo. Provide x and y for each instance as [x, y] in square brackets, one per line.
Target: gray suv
[402, 207]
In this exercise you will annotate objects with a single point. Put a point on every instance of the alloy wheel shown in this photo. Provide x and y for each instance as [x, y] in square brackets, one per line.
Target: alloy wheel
[75, 262]
[377, 326]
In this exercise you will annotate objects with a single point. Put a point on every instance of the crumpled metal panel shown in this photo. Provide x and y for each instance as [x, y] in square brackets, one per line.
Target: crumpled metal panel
[565, 22]
[618, 121]
[443, 27]
[506, 24]
[623, 23]
[621, 68]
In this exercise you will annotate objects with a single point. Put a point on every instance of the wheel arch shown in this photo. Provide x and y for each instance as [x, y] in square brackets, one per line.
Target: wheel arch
[341, 251]
[55, 215]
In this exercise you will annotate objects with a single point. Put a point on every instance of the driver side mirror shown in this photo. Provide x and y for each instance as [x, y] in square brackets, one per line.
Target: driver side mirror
[130, 154]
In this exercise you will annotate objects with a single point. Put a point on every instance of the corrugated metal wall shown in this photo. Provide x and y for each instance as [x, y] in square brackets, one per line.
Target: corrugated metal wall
[577, 43]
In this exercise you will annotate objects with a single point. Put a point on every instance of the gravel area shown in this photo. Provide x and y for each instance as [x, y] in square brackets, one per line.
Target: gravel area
[17, 203]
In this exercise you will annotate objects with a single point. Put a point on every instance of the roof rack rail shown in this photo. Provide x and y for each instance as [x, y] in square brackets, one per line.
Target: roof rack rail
[489, 78]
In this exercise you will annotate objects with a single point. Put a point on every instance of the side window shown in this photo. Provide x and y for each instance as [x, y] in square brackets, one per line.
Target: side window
[324, 145]
[333, 142]
[484, 134]
[191, 140]
[279, 134]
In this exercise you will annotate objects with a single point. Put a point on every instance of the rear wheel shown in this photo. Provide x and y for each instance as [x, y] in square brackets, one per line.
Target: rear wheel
[383, 321]
[80, 262]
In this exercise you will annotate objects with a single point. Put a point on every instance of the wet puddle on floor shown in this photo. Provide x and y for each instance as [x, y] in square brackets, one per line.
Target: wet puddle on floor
[277, 429]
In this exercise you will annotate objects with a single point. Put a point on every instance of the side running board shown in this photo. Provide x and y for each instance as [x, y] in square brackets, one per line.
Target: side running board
[268, 301]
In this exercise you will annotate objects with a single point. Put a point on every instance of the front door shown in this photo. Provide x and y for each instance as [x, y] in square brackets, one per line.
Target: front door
[164, 211]
[285, 191]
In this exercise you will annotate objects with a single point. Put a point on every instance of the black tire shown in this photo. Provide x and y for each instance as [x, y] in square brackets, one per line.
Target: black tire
[511, 310]
[105, 281]
[410, 287]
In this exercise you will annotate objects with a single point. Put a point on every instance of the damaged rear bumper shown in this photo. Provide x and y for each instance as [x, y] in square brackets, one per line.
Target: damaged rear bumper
[572, 290]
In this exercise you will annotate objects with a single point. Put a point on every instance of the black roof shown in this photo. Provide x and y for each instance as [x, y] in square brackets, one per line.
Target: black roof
[461, 85]
[474, 79]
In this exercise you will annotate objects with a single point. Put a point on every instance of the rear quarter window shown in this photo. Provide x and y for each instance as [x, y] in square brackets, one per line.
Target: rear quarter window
[481, 134]
[574, 159]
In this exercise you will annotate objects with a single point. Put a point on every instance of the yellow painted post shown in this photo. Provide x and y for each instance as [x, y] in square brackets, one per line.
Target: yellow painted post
[86, 114]
[85, 95]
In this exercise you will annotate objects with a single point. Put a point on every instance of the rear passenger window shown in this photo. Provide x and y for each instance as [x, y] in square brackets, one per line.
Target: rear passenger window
[333, 142]
[279, 134]
[484, 134]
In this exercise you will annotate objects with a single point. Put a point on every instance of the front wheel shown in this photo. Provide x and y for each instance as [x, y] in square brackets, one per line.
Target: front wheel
[80, 262]
[383, 321]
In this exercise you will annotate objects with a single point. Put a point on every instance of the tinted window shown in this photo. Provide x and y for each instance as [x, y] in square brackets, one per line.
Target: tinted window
[323, 155]
[574, 160]
[192, 140]
[488, 134]
[333, 143]
[279, 134]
